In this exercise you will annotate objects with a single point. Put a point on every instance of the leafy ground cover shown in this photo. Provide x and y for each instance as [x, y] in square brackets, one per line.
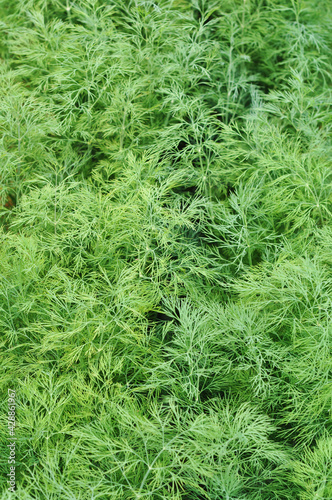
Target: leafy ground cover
[166, 248]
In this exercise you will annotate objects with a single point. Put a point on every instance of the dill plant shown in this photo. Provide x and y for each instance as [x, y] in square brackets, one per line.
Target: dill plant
[165, 288]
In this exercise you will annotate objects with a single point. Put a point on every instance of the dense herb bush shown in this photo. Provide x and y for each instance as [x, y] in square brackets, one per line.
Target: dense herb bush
[166, 248]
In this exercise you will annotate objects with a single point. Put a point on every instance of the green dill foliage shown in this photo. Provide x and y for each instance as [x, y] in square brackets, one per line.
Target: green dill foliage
[166, 248]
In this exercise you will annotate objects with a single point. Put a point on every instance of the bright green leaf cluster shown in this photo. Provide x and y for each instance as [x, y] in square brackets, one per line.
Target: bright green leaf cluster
[166, 248]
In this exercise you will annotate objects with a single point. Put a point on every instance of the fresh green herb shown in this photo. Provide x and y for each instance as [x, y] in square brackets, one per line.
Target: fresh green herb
[166, 248]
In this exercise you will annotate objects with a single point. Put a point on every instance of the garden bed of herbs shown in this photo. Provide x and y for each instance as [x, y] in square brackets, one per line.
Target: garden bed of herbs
[166, 249]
